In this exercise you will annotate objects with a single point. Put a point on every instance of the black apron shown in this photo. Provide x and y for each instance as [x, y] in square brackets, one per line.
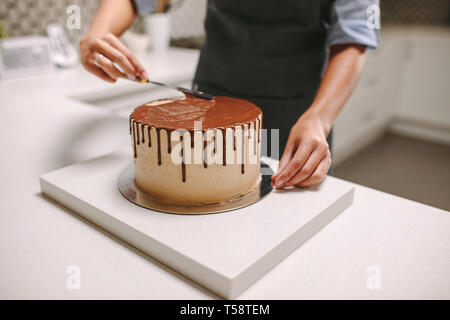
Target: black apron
[270, 52]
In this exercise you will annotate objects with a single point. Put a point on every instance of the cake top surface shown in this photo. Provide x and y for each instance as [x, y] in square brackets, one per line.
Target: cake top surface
[222, 112]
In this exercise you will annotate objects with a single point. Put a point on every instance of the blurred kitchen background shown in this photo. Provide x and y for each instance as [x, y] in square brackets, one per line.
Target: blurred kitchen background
[394, 133]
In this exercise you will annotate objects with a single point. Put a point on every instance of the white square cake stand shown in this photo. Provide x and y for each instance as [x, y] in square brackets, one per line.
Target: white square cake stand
[225, 252]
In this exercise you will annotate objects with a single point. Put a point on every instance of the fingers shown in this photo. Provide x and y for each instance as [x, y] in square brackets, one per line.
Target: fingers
[105, 65]
[320, 152]
[285, 158]
[318, 175]
[117, 61]
[139, 69]
[98, 72]
[113, 55]
[300, 157]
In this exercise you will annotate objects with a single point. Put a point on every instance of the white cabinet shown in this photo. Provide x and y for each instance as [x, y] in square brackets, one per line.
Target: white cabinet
[425, 89]
[424, 108]
[404, 88]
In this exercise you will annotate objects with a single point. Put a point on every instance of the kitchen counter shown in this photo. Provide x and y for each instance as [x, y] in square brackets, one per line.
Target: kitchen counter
[381, 247]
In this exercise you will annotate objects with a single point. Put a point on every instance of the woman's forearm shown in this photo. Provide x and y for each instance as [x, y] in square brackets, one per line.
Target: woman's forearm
[112, 16]
[340, 78]
[307, 157]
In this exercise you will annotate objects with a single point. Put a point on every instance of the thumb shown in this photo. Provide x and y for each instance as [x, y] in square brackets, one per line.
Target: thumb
[285, 158]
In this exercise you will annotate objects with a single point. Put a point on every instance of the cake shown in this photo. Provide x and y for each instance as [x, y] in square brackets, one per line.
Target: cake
[192, 151]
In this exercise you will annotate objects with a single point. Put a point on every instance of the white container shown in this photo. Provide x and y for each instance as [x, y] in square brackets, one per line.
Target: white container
[25, 55]
[158, 28]
[136, 42]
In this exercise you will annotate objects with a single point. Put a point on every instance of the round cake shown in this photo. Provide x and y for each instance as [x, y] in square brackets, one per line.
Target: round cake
[193, 151]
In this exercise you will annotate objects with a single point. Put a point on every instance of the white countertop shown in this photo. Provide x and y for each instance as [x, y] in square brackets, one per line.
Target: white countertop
[42, 129]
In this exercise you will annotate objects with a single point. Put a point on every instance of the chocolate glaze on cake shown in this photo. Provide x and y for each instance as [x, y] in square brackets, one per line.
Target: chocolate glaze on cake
[218, 114]
[222, 112]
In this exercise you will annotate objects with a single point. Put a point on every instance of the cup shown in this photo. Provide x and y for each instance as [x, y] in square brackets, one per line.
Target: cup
[158, 28]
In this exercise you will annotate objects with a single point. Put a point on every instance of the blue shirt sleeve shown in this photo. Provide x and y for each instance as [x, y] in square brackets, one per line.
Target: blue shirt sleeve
[349, 24]
[144, 6]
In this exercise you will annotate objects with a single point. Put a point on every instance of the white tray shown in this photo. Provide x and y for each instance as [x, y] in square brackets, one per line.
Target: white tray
[224, 252]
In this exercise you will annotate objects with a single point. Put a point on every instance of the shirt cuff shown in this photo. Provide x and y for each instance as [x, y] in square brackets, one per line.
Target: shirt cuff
[144, 6]
[354, 31]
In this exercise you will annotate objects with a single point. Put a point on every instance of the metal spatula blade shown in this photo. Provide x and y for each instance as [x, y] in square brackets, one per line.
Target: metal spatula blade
[196, 93]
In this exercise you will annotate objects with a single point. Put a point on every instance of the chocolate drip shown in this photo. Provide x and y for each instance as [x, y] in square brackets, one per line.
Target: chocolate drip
[134, 130]
[137, 133]
[257, 124]
[243, 150]
[131, 121]
[149, 137]
[134, 140]
[169, 142]
[205, 155]
[255, 143]
[224, 146]
[158, 142]
[183, 164]
[215, 141]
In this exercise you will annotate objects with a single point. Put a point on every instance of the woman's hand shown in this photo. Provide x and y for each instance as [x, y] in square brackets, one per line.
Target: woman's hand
[306, 158]
[108, 49]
